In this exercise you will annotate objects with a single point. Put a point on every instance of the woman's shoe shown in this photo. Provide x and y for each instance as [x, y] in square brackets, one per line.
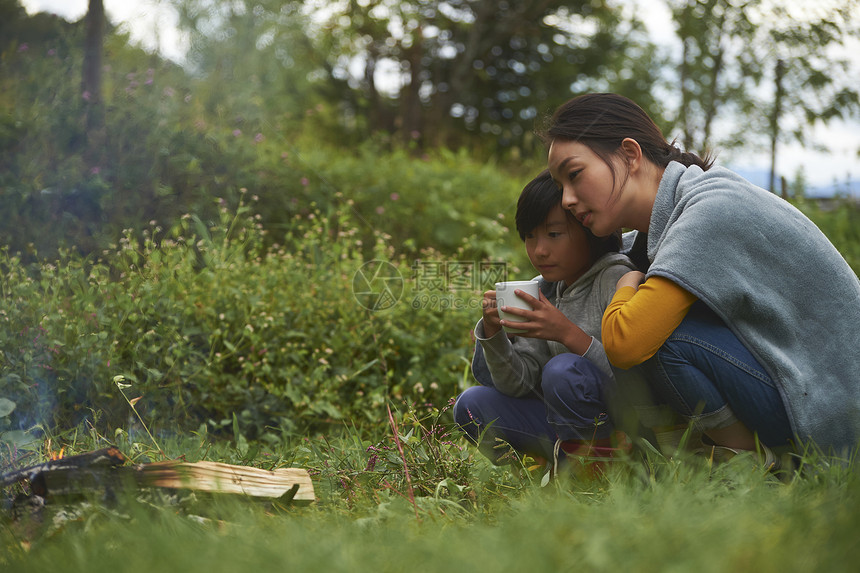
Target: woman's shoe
[721, 454]
[670, 440]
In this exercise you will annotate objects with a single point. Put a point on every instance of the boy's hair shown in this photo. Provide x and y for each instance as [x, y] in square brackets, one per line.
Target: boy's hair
[538, 198]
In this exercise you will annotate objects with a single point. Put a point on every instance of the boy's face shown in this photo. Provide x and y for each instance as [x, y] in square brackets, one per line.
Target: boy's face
[558, 248]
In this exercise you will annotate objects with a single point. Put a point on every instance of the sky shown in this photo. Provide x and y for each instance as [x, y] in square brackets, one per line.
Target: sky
[152, 24]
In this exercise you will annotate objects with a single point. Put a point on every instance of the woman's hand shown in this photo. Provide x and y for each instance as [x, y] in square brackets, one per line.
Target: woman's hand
[547, 322]
[632, 279]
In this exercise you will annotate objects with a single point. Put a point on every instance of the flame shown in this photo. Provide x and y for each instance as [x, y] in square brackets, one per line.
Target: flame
[54, 455]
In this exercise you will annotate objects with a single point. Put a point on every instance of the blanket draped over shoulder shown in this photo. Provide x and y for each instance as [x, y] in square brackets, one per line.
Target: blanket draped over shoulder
[777, 282]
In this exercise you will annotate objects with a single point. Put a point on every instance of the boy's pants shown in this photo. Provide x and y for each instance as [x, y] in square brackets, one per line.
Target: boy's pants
[569, 405]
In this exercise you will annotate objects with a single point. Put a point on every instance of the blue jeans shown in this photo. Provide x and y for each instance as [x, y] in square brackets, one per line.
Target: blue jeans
[570, 405]
[708, 376]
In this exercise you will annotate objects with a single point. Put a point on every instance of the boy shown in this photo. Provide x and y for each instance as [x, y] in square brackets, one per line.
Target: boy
[550, 383]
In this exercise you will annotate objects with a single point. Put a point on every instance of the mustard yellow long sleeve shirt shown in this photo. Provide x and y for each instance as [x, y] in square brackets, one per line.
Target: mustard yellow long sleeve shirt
[637, 322]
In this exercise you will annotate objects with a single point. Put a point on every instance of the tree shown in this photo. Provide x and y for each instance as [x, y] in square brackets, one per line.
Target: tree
[731, 49]
[11, 16]
[811, 84]
[716, 70]
[434, 72]
[260, 49]
[424, 73]
[91, 80]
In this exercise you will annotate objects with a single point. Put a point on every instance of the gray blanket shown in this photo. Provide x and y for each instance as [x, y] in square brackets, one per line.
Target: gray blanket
[778, 283]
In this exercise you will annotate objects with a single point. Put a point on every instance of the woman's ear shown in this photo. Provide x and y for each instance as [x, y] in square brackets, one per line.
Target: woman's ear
[632, 153]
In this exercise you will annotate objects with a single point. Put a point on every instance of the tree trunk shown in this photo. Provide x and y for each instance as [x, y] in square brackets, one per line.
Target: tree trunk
[411, 112]
[712, 102]
[774, 121]
[684, 111]
[91, 82]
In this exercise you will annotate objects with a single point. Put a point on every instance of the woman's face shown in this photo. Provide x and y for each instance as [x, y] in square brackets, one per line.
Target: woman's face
[587, 184]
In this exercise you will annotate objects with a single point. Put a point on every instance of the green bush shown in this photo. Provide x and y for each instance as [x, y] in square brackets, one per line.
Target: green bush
[173, 141]
[840, 221]
[216, 313]
[211, 322]
[446, 201]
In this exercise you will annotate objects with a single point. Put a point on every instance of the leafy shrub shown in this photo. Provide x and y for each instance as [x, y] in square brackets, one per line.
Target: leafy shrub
[172, 141]
[212, 322]
[840, 221]
[445, 201]
[213, 315]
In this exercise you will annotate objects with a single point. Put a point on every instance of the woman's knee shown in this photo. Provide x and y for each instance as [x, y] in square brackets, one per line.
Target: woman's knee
[716, 383]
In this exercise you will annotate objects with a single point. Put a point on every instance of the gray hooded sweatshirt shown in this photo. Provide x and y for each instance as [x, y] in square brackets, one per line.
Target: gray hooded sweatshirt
[516, 364]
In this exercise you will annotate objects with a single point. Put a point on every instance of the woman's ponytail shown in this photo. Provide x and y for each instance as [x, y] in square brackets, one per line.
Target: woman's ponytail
[686, 158]
[603, 120]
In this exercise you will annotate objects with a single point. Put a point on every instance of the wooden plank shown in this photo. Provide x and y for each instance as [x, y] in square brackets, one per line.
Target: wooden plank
[218, 477]
[99, 470]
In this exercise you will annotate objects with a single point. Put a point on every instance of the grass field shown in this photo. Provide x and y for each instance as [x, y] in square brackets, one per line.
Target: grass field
[646, 514]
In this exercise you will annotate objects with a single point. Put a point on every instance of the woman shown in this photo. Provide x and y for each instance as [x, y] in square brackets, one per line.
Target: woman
[746, 319]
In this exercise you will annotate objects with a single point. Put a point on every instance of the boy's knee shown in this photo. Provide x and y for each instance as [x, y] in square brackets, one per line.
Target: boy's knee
[570, 372]
[467, 403]
[572, 389]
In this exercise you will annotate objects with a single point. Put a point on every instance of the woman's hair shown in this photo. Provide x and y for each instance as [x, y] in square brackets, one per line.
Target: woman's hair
[603, 120]
[538, 198]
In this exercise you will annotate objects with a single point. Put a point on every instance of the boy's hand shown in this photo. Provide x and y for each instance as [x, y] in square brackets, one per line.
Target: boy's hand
[547, 322]
[543, 321]
[491, 314]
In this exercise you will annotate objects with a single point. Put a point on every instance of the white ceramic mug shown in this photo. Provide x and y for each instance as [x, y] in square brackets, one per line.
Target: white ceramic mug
[505, 297]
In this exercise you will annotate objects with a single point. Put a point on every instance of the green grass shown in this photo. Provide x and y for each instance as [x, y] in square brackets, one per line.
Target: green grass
[653, 515]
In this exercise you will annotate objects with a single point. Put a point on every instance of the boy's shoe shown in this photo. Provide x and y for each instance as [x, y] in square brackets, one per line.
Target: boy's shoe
[590, 458]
